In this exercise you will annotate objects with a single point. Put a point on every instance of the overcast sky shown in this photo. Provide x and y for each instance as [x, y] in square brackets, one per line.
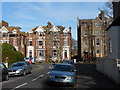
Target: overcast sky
[28, 15]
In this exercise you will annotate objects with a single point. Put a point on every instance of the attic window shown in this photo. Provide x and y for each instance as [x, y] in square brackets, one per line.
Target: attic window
[40, 34]
[97, 24]
[55, 33]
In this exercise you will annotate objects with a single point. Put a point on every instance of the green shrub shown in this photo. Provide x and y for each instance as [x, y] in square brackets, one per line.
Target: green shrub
[10, 55]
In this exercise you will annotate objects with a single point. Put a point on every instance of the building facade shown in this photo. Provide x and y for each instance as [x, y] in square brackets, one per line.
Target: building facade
[46, 43]
[92, 36]
[12, 35]
[49, 43]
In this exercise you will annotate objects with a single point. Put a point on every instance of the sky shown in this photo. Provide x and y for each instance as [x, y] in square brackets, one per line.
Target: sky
[28, 15]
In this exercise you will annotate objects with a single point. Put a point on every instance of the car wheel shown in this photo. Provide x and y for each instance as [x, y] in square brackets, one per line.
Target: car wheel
[31, 72]
[7, 77]
[24, 73]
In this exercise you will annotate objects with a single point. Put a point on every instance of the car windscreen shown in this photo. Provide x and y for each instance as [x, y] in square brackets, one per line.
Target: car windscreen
[17, 64]
[63, 68]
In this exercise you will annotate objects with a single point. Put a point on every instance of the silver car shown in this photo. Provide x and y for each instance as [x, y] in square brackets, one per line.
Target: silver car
[63, 74]
[20, 68]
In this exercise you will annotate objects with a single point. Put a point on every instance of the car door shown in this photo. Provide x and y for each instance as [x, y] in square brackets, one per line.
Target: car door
[4, 71]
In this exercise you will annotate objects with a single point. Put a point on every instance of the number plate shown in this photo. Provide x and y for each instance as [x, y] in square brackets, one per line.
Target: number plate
[11, 72]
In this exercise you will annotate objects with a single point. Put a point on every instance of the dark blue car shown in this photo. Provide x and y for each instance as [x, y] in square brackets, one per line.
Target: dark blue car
[3, 72]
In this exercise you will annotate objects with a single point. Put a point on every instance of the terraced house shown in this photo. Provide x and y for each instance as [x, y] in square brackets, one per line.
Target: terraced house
[49, 43]
[45, 43]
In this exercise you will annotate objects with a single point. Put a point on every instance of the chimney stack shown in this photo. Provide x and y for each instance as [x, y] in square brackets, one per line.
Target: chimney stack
[70, 29]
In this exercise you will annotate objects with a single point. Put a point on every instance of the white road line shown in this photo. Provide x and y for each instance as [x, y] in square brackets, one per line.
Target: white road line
[19, 86]
[38, 77]
[47, 72]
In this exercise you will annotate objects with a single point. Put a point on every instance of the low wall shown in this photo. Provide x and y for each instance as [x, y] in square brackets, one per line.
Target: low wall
[109, 68]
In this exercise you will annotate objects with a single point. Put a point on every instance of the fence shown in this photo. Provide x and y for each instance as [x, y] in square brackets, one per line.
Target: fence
[110, 68]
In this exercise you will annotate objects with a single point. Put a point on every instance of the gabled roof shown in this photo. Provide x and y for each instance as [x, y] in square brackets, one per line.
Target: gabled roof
[46, 28]
[13, 28]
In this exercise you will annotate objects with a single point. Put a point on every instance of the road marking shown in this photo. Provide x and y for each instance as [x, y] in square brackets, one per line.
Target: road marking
[19, 86]
[38, 77]
[47, 72]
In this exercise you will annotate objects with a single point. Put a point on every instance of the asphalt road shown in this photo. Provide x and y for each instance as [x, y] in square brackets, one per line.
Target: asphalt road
[87, 78]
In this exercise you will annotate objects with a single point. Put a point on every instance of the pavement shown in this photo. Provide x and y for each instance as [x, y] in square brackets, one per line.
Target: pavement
[89, 77]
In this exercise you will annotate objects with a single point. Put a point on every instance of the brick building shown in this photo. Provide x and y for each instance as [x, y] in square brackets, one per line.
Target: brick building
[92, 36]
[42, 42]
[12, 35]
[49, 43]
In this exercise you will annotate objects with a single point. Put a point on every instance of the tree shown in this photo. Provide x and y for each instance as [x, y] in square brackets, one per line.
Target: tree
[108, 9]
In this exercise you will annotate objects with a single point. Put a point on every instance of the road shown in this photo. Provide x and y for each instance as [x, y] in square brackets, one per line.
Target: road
[88, 78]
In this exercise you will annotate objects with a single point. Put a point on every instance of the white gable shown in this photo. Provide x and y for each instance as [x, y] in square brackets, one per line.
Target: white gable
[4, 30]
[14, 31]
[65, 30]
[40, 29]
[55, 29]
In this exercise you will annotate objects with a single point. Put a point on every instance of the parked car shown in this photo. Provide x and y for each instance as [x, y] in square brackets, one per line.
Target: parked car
[30, 59]
[63, 74]
[3, 72]
[20, 68]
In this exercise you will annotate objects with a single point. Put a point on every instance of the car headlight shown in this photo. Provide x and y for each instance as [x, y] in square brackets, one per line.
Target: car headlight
[19, 69]
[69, 77]
[51, 76]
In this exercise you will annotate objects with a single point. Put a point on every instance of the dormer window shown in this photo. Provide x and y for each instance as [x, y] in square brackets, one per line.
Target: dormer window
[55, 33]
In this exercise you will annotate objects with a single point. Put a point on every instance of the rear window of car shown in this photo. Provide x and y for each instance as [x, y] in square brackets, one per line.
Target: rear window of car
[17, 64]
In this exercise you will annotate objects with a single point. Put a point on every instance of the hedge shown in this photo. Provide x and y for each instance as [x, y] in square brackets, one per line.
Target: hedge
[10, 55]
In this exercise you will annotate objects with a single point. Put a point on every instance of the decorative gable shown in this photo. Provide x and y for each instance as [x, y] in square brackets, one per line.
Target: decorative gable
[40, 29]
[14, 31]
[65, 30]
[54, 29]
[4, 30]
